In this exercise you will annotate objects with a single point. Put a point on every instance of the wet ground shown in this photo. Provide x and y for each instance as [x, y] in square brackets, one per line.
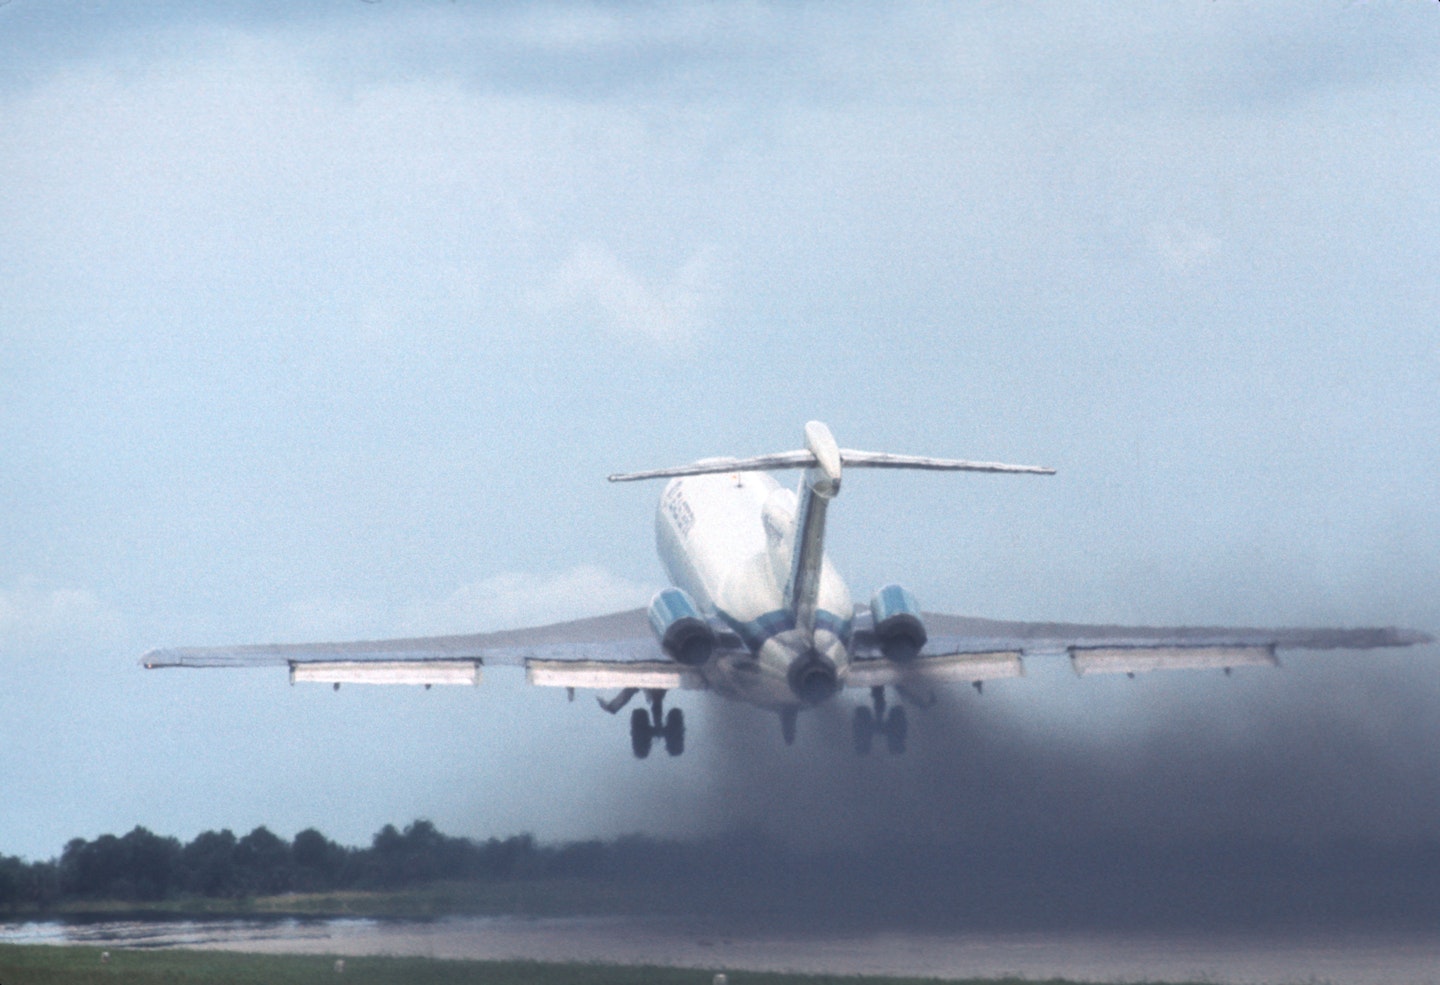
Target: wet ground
[1368, 958]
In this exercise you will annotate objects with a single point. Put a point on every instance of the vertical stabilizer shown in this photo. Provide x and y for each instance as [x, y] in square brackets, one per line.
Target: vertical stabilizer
[819, 485]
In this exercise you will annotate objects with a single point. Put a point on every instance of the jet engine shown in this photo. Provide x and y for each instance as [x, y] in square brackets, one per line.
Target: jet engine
[813, 678]
[897, 623]
[683, 633]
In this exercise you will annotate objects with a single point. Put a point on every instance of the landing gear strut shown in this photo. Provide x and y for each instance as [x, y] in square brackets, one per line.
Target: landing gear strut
[646, 726]
[894, 726]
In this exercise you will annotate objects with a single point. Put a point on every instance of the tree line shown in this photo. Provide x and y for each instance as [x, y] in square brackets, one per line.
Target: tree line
[971, 878]
[143, 866]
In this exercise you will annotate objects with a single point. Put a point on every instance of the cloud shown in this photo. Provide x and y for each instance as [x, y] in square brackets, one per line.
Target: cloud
[31, 614]
[327, 618]
[594, 285]
[514, 599]
[507, 600]
[1183, 247]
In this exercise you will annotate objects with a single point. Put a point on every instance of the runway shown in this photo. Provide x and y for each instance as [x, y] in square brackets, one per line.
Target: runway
[1354, 958]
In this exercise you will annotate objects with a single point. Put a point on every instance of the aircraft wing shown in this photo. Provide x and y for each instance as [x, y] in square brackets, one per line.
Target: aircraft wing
[617, 650]
[962, 648]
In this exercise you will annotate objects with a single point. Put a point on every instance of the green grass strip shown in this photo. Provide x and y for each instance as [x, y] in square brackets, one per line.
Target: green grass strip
[42, 964]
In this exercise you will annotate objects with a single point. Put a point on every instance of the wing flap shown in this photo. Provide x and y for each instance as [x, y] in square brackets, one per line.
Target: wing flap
[644, 674]
[426, 672]
[967, 668]
[1140, 660]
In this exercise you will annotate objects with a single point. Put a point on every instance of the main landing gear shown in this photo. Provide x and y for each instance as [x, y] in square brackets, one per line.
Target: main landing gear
[868, 723]
[645, 726]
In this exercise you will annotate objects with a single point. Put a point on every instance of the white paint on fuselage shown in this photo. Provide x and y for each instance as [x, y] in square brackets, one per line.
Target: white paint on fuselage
[726, 540]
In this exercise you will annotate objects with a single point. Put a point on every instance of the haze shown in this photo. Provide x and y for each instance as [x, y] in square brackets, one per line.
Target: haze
[328, 324]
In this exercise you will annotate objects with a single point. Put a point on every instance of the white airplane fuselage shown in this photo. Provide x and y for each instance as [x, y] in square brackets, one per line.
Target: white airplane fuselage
[728, 541]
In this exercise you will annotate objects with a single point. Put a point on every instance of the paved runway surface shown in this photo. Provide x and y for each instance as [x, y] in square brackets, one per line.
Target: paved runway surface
[1352, 958]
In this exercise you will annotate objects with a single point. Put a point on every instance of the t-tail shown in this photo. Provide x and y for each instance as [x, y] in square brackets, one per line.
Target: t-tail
[823, 461]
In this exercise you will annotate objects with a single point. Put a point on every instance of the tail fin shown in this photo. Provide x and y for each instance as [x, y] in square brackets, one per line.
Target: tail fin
[823, 461]
[807, 556]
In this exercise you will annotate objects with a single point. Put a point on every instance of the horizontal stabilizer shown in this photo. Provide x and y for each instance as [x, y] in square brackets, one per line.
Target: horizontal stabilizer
[849, 458]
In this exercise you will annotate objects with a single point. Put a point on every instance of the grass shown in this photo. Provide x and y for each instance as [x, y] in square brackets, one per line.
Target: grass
[40, 964]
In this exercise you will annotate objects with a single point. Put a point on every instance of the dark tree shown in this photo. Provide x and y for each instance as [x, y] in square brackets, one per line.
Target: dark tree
[139, 866]
[512, 858]
[318, 862]
[93, 868]
[208, 864]
[153, 864]
[263, 861]
[12, 875]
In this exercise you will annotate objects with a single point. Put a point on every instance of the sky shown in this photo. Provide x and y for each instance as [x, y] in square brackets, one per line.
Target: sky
[327, 321]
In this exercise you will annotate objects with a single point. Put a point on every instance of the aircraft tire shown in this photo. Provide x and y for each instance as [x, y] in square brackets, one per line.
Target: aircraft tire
[675, 732]
[640, 733]
[897, 727]
[864, 731]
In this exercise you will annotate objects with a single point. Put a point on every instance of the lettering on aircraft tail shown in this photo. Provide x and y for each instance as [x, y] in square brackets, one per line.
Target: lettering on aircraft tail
[679, 510]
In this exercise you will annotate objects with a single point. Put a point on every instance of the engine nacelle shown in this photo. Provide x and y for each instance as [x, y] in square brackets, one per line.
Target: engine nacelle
[683, 633]
[897, 623]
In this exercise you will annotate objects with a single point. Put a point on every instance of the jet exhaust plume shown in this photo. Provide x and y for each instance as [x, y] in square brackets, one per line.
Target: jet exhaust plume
[1309, 797]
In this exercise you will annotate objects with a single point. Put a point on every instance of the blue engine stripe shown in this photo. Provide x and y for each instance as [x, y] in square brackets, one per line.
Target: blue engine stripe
[757, 632]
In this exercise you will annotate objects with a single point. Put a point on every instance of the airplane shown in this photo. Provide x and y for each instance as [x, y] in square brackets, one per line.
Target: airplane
[756, 612]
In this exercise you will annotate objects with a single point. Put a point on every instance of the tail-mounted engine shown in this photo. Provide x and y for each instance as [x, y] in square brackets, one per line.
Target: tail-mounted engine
[897, 623]
[683, 633]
